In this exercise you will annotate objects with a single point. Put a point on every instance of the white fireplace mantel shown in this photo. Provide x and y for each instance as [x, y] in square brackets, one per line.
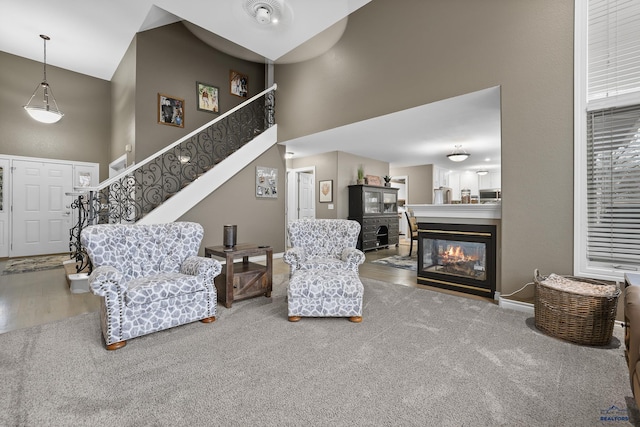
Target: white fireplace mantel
[476, 211]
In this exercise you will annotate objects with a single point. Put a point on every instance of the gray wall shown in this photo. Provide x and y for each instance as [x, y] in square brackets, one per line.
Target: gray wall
[123, 93]
[170, 60]
[84, 132]
[259, 220]
[342, 168]
[401, 54]
[419, 183]
[326, 167]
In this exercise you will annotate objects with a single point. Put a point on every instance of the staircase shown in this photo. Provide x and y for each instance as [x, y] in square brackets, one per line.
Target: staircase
[169, 183]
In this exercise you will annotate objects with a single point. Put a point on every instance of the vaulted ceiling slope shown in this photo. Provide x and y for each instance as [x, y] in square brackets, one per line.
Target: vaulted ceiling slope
[91, 37]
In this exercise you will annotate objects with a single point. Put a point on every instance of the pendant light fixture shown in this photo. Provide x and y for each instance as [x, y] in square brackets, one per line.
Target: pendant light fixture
[458, 154]
[48, 112]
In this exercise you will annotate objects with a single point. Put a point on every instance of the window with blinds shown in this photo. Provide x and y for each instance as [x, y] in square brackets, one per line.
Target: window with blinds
[613, 134]
[614, 46]
[613, 185]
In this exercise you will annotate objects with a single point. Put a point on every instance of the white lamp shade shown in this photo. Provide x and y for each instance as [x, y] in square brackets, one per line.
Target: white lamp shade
[43, 115]
[458, 154]
[459, 157]
[48, 112]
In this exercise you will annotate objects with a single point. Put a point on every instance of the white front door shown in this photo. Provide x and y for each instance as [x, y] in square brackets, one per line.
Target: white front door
[306, 196]
[41, 216]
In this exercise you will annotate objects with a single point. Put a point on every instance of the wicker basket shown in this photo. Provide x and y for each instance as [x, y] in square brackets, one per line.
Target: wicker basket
[581, 319]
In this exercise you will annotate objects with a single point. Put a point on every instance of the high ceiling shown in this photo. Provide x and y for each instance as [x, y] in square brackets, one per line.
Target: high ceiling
[91, 37]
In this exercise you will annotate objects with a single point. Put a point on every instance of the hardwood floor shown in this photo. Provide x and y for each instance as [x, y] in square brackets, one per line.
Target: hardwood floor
[30, 299]
[35, 298]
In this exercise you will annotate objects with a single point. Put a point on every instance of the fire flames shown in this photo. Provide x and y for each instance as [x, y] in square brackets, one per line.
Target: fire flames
[454, 254]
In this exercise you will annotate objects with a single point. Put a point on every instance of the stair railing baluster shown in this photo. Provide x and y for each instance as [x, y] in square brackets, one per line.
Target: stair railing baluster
[139, 189]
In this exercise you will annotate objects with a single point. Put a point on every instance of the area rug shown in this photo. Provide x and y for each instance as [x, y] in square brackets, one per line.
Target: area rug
[398, 261]
[419, 358]
[36, 263]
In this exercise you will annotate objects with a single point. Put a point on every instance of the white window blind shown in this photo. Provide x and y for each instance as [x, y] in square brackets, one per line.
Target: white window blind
[614, 44]
[613, 185]
[613, 135]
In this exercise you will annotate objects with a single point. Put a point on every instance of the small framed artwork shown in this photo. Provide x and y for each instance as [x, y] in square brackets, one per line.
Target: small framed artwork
[239, 84]
[373, 180]
[326, 191]
[207, 97]
[266, 182]
[170, 110]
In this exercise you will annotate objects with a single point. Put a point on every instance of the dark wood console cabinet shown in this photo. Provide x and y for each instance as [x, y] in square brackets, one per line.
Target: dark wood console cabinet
[376, 209]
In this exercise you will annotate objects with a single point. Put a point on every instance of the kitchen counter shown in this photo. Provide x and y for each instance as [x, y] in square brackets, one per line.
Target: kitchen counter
[479, 211]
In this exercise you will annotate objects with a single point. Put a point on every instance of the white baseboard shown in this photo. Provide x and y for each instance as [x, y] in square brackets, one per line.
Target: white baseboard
[526, 307]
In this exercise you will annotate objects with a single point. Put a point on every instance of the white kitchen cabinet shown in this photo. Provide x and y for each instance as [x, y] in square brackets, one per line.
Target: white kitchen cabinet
[492, 180]
[468, 179]
[440, 177]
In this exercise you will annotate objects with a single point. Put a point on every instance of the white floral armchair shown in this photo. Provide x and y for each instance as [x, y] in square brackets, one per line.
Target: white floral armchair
[149, 277]
[324, 244]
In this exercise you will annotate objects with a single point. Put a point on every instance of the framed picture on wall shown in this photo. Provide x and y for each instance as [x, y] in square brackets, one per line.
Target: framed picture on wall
[326, 191]
[170, 110]
[239, 84]
[207, 97]
[266, 182]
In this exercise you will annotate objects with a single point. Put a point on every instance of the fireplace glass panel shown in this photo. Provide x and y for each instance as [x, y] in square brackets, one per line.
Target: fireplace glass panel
[455, 258]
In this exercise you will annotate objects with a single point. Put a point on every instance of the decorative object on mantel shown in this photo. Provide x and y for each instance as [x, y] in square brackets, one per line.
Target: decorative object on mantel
[48, 112]
[266, 182]
[170, 110]
[360, 175]
[372, 180]
[387, 180]
[458, 154]
[326, 191]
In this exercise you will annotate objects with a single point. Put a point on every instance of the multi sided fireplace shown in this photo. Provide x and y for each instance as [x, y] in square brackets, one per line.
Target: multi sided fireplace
[459, 257]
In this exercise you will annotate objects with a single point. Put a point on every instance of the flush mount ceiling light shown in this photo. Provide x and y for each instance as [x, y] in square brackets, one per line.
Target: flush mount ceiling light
[265, 12]
[482, 173]
[288, 155]
[458, 154]
[48, 112]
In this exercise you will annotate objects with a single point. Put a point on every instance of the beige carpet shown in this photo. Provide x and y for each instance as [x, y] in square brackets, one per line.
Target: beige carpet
[419, 358]
[36, 263]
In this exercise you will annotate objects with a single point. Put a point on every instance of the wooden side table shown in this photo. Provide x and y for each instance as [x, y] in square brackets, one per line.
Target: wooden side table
[244, 279]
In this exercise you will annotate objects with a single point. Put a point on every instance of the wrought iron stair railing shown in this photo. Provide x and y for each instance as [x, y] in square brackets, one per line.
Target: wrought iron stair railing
[135, 192]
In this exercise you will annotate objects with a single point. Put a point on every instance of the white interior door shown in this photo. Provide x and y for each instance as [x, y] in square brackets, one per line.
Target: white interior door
[4, 208]
[40, 219]
[306, 196]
